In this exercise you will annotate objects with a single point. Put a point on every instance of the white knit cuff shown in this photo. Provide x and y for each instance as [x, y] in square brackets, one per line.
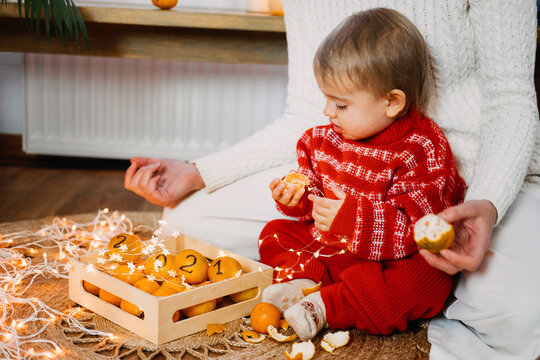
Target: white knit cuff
[499, 198]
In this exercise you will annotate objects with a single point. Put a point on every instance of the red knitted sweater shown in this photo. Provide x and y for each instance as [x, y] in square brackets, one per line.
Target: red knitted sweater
[391, 180]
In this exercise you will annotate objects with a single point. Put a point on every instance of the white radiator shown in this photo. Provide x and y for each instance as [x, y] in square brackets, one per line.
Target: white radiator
[117, 108]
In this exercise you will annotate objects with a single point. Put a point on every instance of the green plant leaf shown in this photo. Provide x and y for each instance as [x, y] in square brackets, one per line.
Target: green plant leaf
[64, 15]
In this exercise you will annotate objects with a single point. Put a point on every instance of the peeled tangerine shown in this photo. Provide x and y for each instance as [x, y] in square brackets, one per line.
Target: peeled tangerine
[301, 351]
[297, 180]
[332, 341]
[433, 233]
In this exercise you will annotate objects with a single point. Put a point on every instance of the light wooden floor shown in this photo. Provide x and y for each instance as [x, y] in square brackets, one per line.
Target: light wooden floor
[33, 187]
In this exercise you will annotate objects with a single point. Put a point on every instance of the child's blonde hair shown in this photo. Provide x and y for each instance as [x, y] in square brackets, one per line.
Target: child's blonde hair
[377, 50]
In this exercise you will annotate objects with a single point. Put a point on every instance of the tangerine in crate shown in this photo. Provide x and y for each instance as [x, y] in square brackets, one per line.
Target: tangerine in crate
[155, 312]
[192, 265]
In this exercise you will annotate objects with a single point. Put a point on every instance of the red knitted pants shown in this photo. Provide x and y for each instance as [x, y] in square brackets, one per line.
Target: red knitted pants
[378, 297]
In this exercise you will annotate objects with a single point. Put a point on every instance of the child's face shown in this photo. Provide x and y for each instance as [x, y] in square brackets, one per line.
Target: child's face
[355, 115]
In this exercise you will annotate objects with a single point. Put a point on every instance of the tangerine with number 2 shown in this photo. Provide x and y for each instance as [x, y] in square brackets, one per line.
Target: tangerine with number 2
[192, 265]
[127, 246]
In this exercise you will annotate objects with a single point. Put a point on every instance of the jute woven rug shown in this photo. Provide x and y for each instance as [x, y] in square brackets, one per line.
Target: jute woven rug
[76, 344]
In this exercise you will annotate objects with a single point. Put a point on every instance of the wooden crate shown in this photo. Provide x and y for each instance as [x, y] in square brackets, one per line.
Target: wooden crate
[157, 325]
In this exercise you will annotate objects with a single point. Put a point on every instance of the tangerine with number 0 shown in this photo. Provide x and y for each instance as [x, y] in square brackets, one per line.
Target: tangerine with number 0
[192, 265]
[160, 265]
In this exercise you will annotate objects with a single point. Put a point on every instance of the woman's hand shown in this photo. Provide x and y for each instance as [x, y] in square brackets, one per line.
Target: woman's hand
[286, 195]
[325, 210]
[473, 223]
[162, 181]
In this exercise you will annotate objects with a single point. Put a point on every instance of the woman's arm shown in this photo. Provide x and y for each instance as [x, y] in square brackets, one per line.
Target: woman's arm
[505, 43]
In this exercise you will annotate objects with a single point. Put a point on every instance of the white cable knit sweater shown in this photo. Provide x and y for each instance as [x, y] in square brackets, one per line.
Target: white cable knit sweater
[484, 53]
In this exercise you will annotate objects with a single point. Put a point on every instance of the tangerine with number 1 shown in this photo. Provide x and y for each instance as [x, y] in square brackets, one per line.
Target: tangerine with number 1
[224, 267]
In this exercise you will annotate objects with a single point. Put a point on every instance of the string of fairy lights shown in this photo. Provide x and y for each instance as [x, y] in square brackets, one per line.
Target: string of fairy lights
[45, 253]
[25, 256]
[290, 272]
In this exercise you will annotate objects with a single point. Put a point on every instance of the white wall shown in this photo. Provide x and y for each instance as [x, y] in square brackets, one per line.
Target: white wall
[11, 64]
[11, 93]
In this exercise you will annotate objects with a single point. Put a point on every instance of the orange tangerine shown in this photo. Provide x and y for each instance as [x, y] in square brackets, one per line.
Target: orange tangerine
[244, 294]
[91, 288]
[224, 267]
[164, 291]
[122, 272]
[165, 4]
[147, 285]
[110, 298]
[177, 316]
[174, 283]
[200, 308]
[131, 308]
[124, 248]
[192, 265]
[262, 315]
[160, 265]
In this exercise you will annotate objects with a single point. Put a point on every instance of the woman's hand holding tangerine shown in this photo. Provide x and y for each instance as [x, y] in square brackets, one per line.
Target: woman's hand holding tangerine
[287, 195]
[325, 210]
[162, 181]
[473, 223]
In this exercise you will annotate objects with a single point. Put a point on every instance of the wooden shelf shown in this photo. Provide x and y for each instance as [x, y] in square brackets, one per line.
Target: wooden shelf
[147, 32]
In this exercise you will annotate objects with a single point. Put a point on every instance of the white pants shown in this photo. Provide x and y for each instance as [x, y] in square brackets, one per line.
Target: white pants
[498, 308]
[496, 314]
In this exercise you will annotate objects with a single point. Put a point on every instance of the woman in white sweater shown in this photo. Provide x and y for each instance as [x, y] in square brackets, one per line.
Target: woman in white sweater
[484, 56]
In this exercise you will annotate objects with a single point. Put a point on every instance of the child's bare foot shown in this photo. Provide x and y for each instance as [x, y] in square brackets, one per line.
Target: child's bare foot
[284, 295]
[308, 316]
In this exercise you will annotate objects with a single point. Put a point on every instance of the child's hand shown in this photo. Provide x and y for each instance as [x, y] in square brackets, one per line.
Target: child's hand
[286, 195]
[325, 210]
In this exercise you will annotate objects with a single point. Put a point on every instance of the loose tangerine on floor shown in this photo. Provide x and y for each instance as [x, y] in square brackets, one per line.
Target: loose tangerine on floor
[262, 315]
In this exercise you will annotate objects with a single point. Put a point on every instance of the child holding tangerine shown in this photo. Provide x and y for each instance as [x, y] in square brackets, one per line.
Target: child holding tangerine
[379, 165]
